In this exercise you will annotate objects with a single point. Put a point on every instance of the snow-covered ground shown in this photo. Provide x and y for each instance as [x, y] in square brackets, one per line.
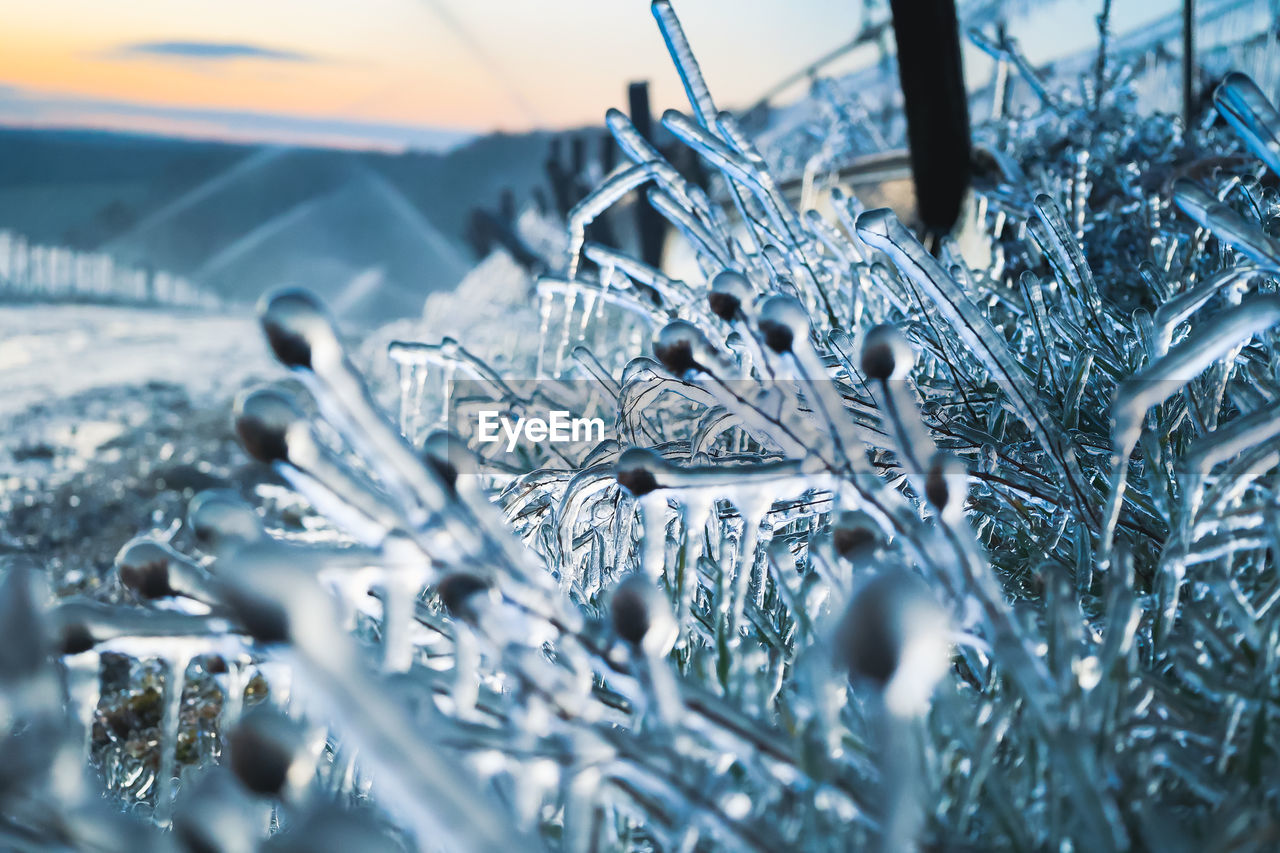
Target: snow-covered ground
[50, 352]
[110, 419]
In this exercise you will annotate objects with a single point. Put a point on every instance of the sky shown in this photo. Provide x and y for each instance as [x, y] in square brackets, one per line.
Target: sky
[411, 73]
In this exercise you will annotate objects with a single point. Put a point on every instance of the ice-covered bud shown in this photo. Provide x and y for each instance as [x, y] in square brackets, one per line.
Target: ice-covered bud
[879, 222]
[855, 535]
[75, 638]
[641, 616]
[464, 595]
[886, 355]
[436, 455]
[152, 569]
[894, 636]
[946, 485]
[681, 348]
[269, 754]
[219, 517]
[262, 421]
[783, 321]
[216, 665]
[730, 290]
[299, 329]
[637, 469]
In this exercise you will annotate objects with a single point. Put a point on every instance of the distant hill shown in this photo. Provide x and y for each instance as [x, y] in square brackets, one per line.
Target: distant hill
[372, 232]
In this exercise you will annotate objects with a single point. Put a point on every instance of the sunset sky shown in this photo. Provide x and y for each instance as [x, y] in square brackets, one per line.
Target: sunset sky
[392, 73]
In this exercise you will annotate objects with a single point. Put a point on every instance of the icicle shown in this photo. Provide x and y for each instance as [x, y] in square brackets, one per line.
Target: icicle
[1239, 100]
[1225, 223]
[175, 681]
[686, 65]
[1180, 307]
[1164, 377]
[673, 293]
[601, 199]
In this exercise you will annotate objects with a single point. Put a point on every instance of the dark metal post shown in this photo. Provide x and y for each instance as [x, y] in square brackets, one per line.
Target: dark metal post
[937, 107]
[1188, 63]
[578, 157]
[608, 153]
[648, 221]
[559, 179]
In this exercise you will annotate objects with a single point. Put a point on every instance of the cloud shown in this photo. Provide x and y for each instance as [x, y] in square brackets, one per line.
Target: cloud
[208, 51]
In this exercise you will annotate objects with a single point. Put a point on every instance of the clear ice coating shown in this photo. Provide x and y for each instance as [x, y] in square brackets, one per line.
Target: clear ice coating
[891, 548]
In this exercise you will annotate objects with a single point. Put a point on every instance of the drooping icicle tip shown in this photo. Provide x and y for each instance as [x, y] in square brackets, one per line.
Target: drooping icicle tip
[220, 517]
[463, 594]
[894, 636]
[946, 485]
[269, 753]
[730, 291]
[262, 419]
[636, 471]
[678, 346]
[886, 355]
[641, 616]
[782, 321]
[855, 535]
[143, 566]
[299, 329]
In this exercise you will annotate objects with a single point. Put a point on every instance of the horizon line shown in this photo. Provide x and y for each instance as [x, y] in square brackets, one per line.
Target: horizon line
[25, 108]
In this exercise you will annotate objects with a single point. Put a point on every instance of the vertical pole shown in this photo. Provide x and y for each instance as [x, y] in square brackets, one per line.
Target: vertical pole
[1188, 63]
[604, 225]
[579, 186]
[937, 107]
[558, 178]
[648, 221]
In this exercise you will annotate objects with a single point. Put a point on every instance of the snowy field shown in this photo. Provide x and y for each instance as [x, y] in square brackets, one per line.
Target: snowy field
[111, 418]
[51, 352]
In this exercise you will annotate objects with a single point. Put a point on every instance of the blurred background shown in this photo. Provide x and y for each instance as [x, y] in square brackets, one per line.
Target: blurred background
[197, 154]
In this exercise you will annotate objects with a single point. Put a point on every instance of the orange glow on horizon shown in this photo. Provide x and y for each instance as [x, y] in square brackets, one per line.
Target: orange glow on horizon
[479, 65]
[321, 89]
